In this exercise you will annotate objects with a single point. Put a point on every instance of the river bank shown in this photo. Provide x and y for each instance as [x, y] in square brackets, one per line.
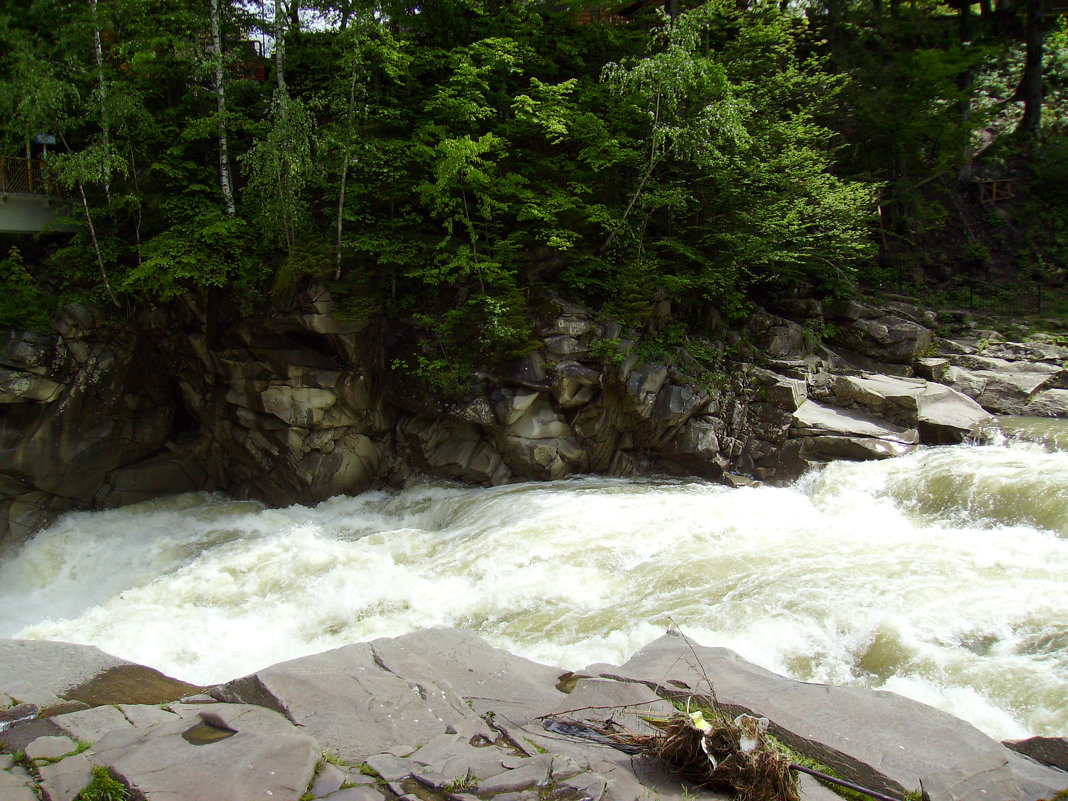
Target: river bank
[441, 715]
[310, 404]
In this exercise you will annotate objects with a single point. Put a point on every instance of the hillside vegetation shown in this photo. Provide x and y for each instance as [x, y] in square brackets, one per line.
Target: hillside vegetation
[448, 166]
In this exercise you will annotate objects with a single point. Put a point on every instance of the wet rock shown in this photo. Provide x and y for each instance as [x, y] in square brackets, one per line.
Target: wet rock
[50, 674]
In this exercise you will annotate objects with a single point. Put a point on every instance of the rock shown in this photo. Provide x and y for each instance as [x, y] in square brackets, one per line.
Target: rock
[813, 418]
[1034, 351]
[675, 404]
[1000, 392]
[1052, 751]
[628, 704]
[1048, 403]
[780, 391]
[933, 368]
[48, 674]
[856, 448]
[217, 752]
[888, 338]
[986, 775]
[64, 780]
[51, 748]
[568, 347]
[351, 705]
[297, 406]
[22, 387]
[539, 421]
[874, 738]
[568, 325]
[942, 414]
[643, 384]
[510, 405]
[92, 724]
[14, 787]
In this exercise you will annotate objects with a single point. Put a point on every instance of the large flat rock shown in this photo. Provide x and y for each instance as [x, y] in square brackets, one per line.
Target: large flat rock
[371, 698]
[814, 418]
[876, 738]
[942, 415]
[51, 674]
[212, 752]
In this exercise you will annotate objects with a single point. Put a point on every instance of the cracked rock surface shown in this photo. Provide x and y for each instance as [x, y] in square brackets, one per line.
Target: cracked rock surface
[440, 715]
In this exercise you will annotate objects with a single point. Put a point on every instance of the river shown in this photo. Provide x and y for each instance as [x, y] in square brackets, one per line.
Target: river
[942, 575]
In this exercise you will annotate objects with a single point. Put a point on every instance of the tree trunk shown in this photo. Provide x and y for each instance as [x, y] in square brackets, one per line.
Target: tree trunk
[96, 247]
[101, 89]
[225, 180]
[1031, 89]
[279, 44]
[345, 168]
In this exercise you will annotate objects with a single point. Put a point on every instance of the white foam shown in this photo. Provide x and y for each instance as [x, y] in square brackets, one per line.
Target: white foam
[840, 579]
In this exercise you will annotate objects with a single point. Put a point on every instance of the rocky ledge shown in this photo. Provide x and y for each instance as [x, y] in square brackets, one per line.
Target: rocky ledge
[439, 715]
[305, 405]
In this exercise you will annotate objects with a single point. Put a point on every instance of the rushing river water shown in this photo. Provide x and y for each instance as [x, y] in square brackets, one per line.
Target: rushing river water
[942, 575]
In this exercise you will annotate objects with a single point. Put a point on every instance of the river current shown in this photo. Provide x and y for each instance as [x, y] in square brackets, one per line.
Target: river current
[942, 575]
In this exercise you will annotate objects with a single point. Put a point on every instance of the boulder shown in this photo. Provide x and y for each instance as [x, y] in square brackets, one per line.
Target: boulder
[875, 738]
[940, 413]
[889, 338]
[1001, 391]
[1048, 403]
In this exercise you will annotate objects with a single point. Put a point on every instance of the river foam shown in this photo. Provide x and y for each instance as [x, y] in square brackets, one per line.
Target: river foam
[940, 576]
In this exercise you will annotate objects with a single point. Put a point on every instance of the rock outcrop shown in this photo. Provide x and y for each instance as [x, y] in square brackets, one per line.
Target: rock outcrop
[305, 405]
[439, 714]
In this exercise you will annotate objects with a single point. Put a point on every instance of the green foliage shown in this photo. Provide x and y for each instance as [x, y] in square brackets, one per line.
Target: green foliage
[103, 787]
[280, 169]
[22, 304]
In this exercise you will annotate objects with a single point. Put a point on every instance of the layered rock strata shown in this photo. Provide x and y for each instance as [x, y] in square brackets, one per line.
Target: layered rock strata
[307, 405]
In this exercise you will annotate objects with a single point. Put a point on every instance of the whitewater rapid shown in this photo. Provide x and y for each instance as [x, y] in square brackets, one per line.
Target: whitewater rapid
[940, 576]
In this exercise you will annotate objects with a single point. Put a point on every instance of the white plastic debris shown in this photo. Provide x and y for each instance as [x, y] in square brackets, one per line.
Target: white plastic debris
[751, 728]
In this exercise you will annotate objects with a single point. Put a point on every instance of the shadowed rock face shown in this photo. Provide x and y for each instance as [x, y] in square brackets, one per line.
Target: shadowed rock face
[299, 407]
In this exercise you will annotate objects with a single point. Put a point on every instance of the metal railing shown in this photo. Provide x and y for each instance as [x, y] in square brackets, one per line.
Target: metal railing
[27, 176]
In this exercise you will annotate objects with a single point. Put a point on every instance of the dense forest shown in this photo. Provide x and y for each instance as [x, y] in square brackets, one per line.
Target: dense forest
[449, 165]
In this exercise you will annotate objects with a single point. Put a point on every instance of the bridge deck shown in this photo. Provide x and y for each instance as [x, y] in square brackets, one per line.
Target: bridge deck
[30, 201]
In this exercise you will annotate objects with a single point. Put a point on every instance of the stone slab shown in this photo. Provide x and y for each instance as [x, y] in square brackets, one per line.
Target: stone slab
[876, 738]
[264, 757]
